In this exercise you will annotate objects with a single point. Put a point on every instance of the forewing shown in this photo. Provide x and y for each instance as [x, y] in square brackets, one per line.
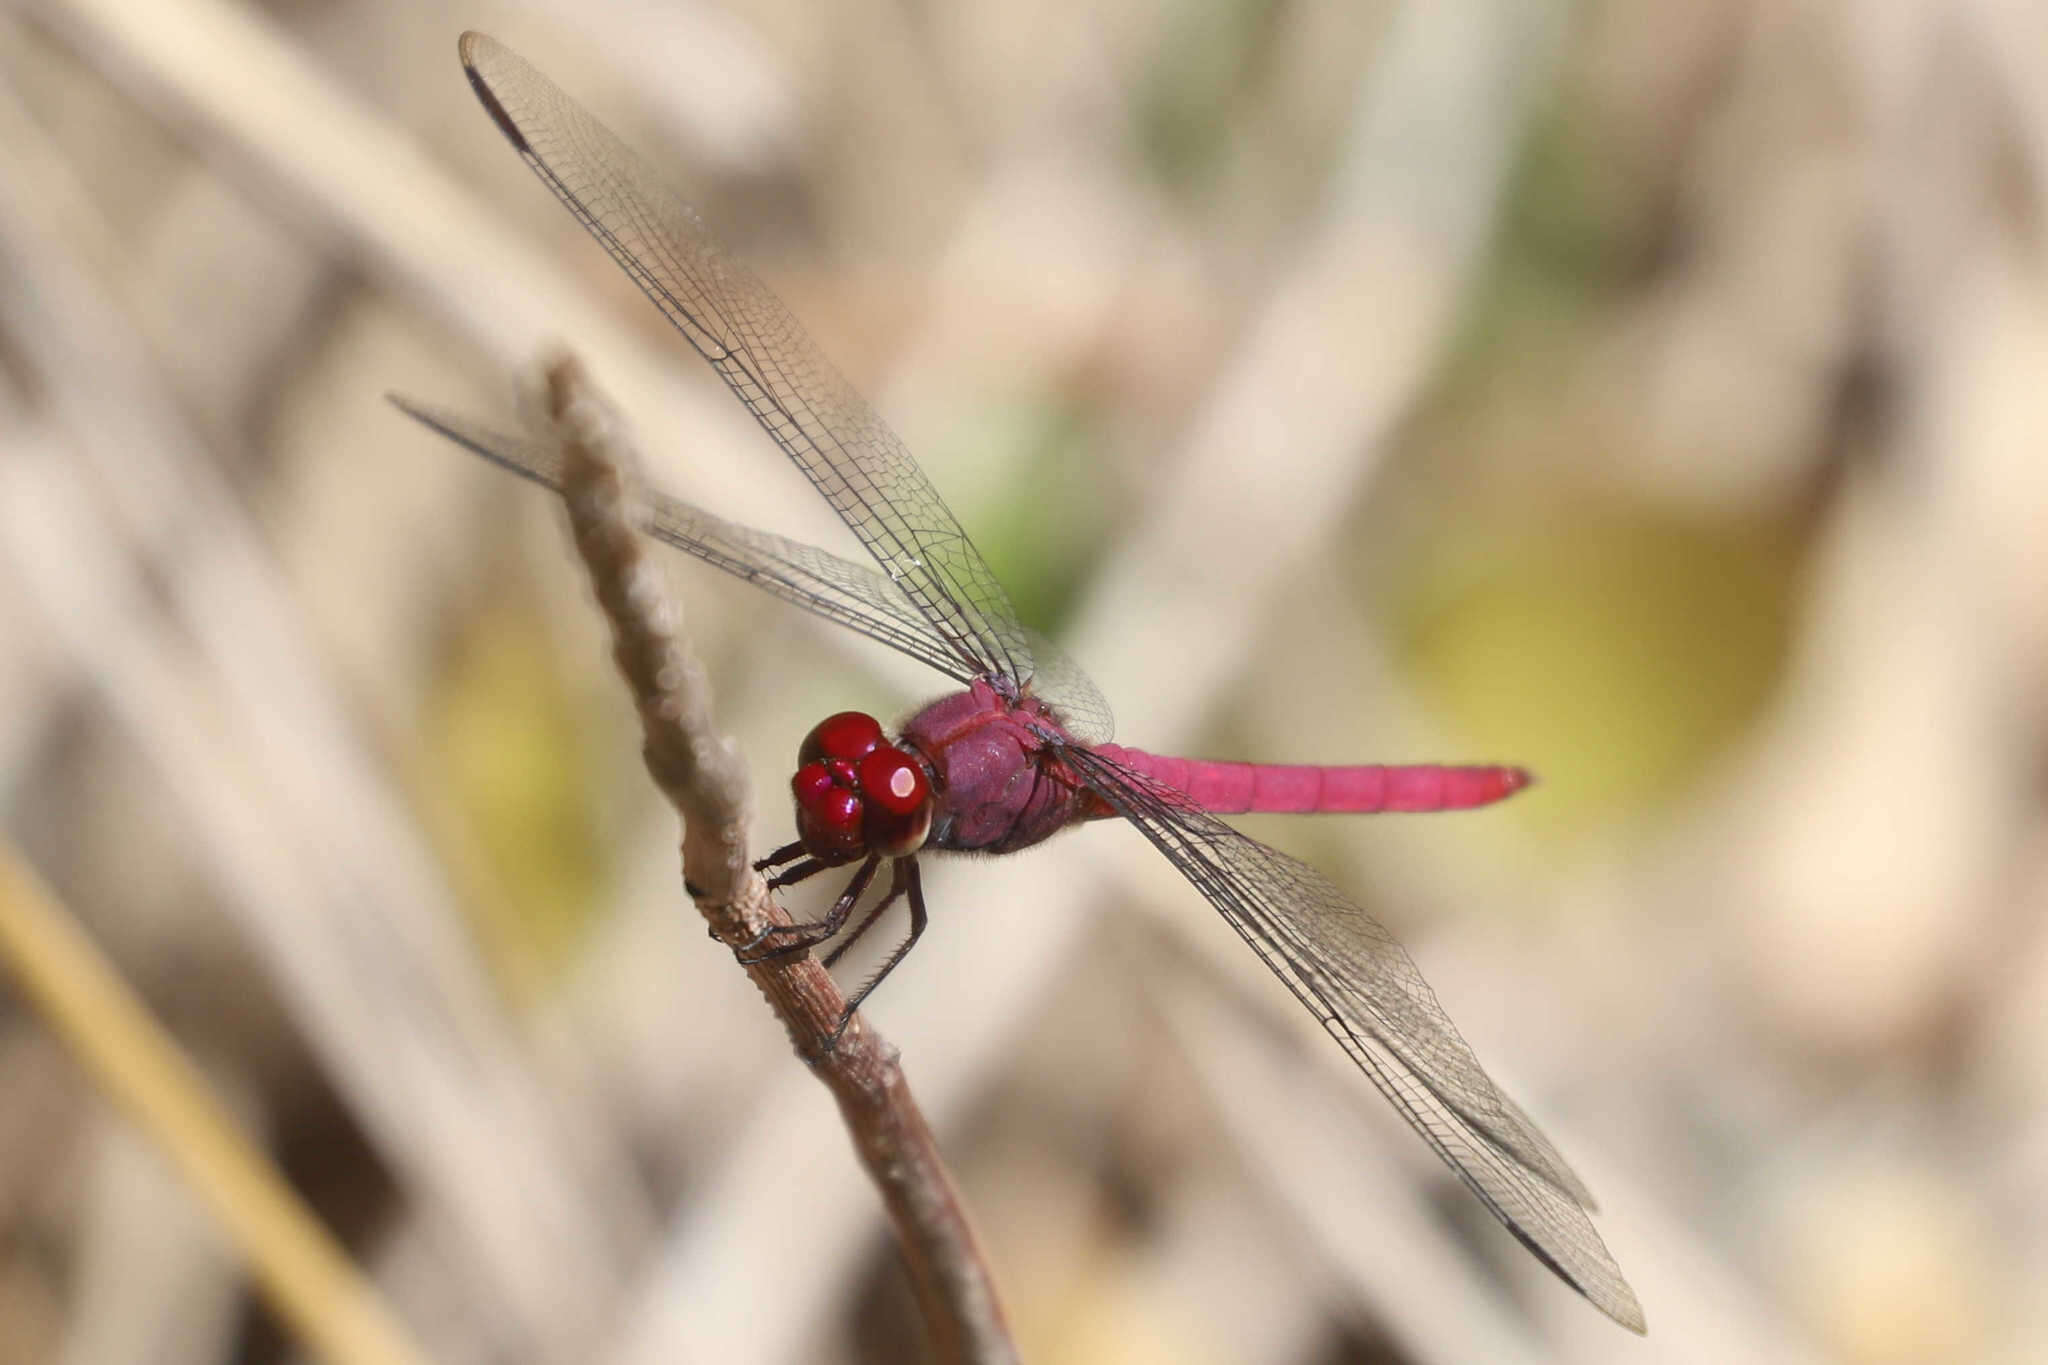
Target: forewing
[1366, 991]
[764, 356]
[851, 594]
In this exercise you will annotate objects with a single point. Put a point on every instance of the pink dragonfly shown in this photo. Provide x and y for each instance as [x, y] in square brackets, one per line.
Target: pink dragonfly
[1022, 751]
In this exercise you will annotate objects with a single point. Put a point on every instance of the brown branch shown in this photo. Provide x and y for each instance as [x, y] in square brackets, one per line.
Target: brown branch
[700, 772]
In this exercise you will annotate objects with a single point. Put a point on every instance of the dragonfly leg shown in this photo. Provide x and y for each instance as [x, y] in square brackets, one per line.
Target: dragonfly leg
[804, 936]
[788, 853]
[803, 871]
[904, 883]
[867, 922]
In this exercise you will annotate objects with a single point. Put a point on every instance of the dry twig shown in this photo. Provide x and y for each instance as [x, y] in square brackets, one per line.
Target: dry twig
[699, 771]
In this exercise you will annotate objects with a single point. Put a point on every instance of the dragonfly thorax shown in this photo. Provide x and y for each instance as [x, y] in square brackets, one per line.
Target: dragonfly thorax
[857, 794]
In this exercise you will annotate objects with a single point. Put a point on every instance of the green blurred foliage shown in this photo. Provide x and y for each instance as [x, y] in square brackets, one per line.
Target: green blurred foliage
[1203, 65]
[1047, 524]
[1575, 238]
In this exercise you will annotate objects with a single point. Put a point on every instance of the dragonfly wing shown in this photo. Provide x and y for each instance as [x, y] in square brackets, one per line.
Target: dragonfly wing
[851, 594]
[1366, 991]
[762, 353]
[1059, 681]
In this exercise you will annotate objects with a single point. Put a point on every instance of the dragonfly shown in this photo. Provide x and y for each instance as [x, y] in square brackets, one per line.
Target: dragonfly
[1021, 750]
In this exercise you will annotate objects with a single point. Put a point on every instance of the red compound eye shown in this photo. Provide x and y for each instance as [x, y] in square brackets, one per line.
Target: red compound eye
[850, 736]
[891, 779]
[898, 798]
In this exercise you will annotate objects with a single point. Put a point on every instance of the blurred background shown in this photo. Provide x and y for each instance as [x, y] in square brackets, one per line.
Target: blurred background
[1649, 393]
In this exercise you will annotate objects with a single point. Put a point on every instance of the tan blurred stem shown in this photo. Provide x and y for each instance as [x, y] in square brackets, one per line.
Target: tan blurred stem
[699, 771]
[310, 1283]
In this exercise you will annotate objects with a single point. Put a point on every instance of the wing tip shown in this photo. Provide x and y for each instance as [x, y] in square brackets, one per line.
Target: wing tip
[1604, 1287]
[474, 48]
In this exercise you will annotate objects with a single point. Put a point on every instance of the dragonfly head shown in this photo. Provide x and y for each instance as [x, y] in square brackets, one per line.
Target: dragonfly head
[858, 794]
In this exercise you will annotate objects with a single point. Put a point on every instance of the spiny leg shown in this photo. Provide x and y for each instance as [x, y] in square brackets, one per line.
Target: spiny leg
[809, 935]
[788, 853]
[905, 882]
[867, 922]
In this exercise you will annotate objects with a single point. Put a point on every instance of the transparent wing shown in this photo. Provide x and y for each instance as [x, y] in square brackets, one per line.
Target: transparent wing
[1366, 991]
[1059, 682]
[847, 593]
[851, 594]
[763, 355]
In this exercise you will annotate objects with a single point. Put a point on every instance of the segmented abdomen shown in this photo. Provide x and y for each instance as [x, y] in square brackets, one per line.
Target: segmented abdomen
[1238, 788]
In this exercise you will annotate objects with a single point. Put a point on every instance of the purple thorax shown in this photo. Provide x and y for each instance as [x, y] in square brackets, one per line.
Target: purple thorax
[997, 787]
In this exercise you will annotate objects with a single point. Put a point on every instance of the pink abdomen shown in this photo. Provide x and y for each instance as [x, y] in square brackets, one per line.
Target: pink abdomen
[1238, 788]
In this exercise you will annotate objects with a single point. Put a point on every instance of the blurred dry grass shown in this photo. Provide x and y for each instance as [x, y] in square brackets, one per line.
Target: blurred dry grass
[1645, 392]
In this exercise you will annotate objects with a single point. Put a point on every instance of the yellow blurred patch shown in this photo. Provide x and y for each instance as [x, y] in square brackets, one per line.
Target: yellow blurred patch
[507, 745]
[1619, 655]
